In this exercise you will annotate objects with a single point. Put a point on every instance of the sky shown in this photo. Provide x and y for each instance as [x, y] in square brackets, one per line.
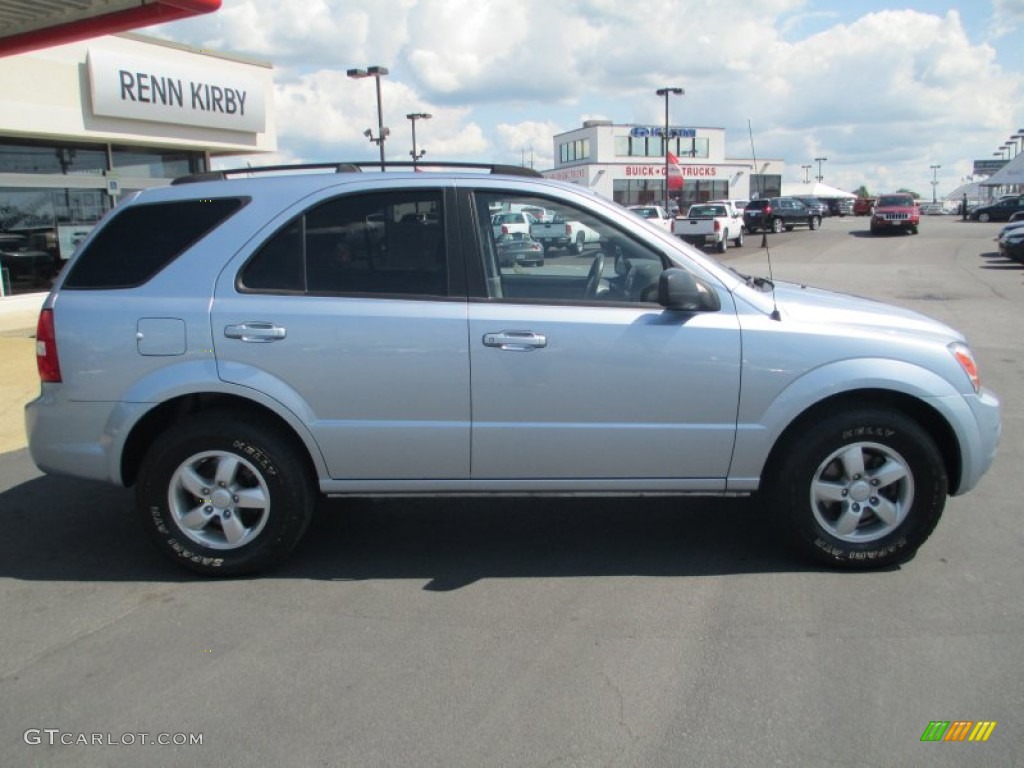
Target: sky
[884, 90]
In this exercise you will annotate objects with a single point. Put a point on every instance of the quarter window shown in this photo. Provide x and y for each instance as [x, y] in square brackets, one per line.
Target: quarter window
[141, 240]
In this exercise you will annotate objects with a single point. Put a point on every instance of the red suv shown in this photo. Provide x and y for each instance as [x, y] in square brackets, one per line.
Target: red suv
[895, 212]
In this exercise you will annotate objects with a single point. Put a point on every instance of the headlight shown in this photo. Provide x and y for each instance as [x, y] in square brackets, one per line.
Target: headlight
[962, 353]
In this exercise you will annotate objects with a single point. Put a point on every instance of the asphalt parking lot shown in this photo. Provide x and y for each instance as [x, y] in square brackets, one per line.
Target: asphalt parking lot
[659, 632]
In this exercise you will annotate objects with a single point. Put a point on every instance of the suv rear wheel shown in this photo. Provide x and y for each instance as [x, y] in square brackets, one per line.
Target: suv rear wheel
[777, 225]
[863, 488]
[223, 496]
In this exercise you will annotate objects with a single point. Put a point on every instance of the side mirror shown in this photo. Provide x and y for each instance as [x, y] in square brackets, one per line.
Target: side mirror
[681, 291]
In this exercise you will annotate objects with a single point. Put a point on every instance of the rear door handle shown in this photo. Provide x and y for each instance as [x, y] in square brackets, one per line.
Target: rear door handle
[515, 341]
[255, 331]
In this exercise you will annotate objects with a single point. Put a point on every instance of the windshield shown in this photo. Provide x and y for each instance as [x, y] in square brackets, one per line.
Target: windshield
[895, 201]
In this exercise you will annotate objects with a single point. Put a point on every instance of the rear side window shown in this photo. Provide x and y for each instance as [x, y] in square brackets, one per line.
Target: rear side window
[143, 239]
[377, 244]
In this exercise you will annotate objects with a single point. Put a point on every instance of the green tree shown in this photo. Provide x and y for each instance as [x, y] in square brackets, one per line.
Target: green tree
[862, 191]
[909, 192]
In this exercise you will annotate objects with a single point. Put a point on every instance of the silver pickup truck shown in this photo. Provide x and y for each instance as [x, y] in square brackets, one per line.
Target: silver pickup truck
[712, 224]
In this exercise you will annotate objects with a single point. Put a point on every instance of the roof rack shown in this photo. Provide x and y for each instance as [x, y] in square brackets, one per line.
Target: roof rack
[354, 167]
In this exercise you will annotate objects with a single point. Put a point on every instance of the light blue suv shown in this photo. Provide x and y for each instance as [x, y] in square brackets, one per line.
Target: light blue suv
[235, 347]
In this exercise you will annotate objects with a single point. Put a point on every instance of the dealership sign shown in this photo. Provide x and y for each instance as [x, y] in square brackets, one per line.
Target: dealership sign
[987, 167]
[695, 171]
[149, 89]
[643, 131]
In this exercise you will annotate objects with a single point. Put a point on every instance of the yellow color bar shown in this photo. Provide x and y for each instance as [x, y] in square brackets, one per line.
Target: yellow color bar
[982, 730]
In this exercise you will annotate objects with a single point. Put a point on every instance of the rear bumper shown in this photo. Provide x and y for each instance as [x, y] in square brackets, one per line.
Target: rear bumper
[80, 439]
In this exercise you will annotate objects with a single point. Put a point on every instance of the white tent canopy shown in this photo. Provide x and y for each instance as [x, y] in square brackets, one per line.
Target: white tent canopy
[815, 189]
[1011, 173]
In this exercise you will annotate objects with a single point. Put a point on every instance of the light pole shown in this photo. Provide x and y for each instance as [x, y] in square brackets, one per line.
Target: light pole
[819, 161]
[413, 117]
[666, 92]
[807, 173]
[382, 133]
[935, 181]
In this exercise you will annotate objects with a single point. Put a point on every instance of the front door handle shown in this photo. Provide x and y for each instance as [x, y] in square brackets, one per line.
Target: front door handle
[515, 341]
[255, 331]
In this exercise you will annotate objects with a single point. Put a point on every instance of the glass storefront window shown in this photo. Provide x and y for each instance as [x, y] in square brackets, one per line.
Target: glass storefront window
[765, 185]
[66, 159]
[652, 146]
[648, 191]
[40, 229]
[139, 162]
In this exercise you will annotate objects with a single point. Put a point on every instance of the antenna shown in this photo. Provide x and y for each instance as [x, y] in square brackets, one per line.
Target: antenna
[775, 315]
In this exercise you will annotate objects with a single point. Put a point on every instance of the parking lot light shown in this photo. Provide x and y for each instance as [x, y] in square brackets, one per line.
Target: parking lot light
[666, 92]
[382, 133]
[819, 161]
[935, 181]
[413, 117]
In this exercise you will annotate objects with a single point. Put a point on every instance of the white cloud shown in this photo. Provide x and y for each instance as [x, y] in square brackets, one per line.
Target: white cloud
[883, 96]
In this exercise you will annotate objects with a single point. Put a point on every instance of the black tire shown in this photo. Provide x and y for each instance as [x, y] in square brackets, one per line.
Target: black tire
[843, 508]
[777, 225]
[723, 245]
[577, 245]
[256, 461]
[913, 230]
[815, 222]
[738, 242]
[983, 217]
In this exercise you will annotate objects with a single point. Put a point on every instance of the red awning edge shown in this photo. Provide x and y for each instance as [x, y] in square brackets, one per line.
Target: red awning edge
[154, 12]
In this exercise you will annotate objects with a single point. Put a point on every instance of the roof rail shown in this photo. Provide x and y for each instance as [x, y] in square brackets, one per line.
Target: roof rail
[355, 166]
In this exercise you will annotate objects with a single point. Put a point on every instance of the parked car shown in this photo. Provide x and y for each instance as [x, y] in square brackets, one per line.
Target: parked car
[840, 206]
[1001, 211]
[208, 346]
[509, 222]
[519, 248]
[711, 224]
[654, 214]
[862, 206]
[896, 212]
[778, 213]
[23, 262]
[1011, 244]
[817, 205]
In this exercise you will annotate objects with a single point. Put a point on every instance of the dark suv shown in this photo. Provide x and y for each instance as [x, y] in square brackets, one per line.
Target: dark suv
[778, 213]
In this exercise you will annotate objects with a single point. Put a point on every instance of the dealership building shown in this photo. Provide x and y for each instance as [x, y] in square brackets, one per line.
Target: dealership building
[627, 164]
[85, 123]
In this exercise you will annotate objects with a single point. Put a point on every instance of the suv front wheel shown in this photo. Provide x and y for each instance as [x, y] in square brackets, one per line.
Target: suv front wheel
[222, 496]
[863, 488]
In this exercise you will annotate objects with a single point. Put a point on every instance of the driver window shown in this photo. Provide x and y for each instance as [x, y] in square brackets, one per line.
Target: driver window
[536, 249]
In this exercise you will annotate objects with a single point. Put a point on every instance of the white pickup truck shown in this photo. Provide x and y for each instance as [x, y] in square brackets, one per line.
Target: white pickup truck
[711, 224]
[559, 233]
[654, 214]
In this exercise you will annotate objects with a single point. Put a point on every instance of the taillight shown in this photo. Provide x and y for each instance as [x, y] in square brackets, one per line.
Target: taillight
[568, 230]
[718, 226]
[767, 209]
[504, 229]
[46, 348]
